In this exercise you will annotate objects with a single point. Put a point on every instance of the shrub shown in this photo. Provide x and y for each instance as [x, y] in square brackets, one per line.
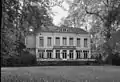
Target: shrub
[27, 59]
[23, 59]
[116, 59]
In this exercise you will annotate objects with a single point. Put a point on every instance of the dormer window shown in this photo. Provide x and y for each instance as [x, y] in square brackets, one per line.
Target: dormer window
[64, 30]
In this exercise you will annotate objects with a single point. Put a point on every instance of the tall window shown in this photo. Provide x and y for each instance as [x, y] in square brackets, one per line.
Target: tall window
[64, 41]
[85, 42]
[41, 54]
[49, 41]
[70, 41]
[58, 54]
[85, 54]
[78, 42]
[57, 41]
[49, 54]
[41, 41]
[78, 54]
[71, 54]
[64, 54]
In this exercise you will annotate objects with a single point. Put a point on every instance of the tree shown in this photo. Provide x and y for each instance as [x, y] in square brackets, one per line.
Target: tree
[16, 19]
[104, 16]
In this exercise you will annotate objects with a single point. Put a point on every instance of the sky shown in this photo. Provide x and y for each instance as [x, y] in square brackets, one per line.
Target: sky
[60, 13]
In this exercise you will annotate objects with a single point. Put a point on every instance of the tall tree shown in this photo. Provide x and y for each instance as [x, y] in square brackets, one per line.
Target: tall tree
[17, 16]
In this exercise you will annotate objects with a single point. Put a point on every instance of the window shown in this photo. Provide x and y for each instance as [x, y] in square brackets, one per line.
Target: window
[49, 54]
[78, 42]
[41, 54]
[41, 42]
[78, 54]
[71, 54]
[64, 30]
[85, 42]
[85, 54]
[64, 54]
[57, 41]
[70, 41]
[64, 41]
[49, 41]
[58, 54]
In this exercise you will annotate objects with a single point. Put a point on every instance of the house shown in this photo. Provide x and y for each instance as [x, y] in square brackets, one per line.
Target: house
[59, 43]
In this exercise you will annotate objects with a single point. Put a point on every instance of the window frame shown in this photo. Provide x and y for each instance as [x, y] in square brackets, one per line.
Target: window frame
[49, 41]
[71, 42]
[78, 40]
[56, 43]
[41, 38]
[64, 41]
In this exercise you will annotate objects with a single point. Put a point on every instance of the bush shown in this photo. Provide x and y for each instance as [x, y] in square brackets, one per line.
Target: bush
[113, 59]
[116, 59]
[24, 59]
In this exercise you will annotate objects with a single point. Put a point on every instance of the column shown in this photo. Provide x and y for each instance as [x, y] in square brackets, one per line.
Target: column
[67, 54]
[37, 54]
[74, 54]
[61, 54]
[53, 55]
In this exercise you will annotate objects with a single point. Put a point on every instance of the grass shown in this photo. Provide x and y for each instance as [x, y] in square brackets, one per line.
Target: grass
[61, 74]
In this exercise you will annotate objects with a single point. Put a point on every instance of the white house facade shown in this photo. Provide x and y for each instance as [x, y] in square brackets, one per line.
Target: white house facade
[59, 44]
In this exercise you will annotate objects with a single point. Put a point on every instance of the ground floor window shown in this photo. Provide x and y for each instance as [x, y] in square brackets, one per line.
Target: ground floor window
[58, 54]
[49, 53]
[78, 53]
[71, 54]
[41, 54]
[85, 54]
[64, 54]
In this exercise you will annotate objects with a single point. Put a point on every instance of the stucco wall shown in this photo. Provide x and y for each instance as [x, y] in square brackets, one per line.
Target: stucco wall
[30, 41]
[53, 35]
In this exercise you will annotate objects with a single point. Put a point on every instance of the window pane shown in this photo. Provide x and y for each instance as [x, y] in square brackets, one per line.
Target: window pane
[49, 41]
[41, 54]
[85, 54]
[41, 42]
[57, 41]
[78, 54]
[78, 42]
[71, 41]
[58, 54]
[49, 53]
[64, 41]
[71, 54]
[64, 54]
[85, 42]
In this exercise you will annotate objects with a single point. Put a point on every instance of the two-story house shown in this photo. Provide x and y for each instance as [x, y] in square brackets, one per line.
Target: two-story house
[59, 43]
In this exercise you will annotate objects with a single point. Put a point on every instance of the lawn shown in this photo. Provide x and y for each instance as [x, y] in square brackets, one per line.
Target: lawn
[61, 74]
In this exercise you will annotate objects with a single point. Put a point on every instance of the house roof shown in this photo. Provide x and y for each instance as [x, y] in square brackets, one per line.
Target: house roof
[61, 29]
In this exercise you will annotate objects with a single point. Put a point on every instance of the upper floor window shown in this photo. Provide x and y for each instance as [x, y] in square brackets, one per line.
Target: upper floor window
[64, 41]
[71, 41]
[78, 42]
[41, 41]
[57, 41]
[85, 42]
[49, 41]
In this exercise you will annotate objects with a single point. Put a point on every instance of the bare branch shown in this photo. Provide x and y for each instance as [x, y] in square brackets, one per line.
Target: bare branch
[94, 13]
